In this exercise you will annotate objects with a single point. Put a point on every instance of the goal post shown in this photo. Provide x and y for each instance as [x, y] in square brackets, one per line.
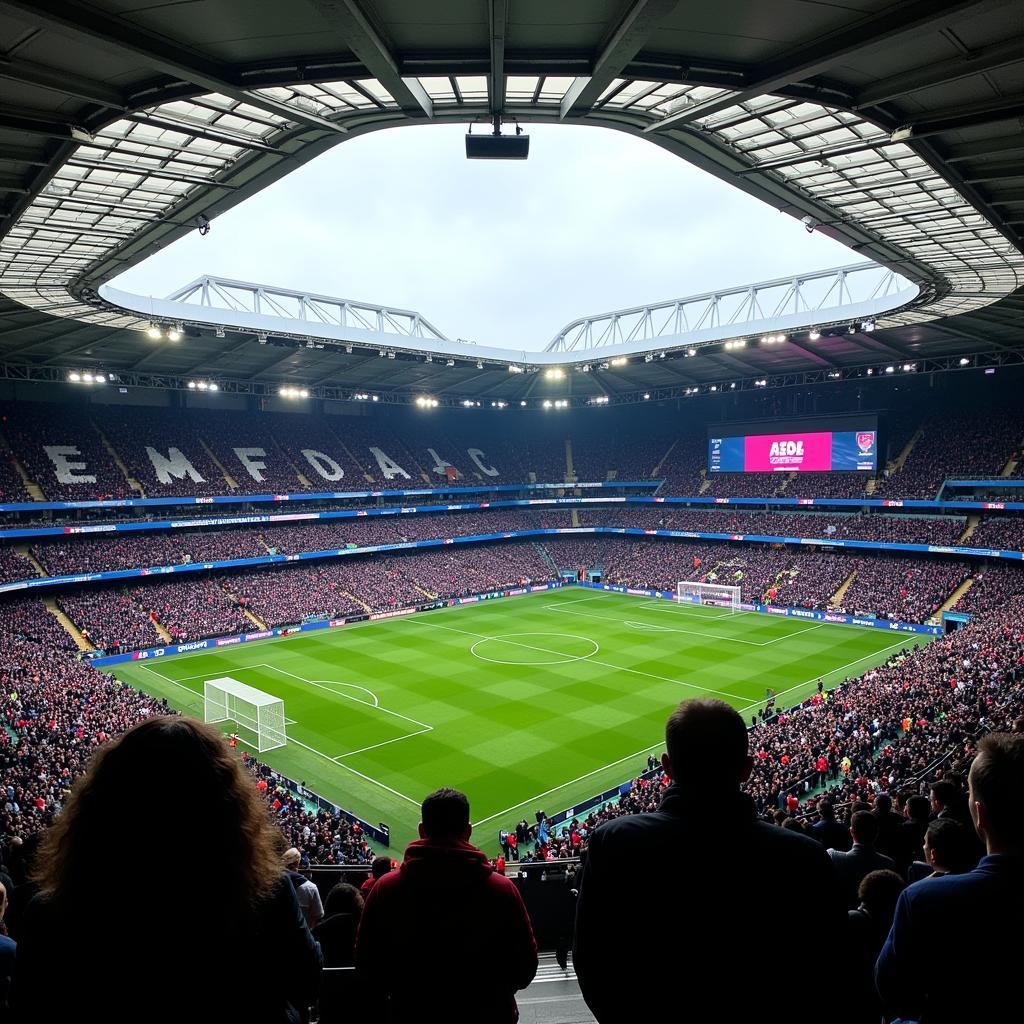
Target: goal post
[718, 595]
[251, 710]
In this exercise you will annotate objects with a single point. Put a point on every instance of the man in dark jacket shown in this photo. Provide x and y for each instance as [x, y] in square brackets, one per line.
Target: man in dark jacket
[854, 864]
[446, 936]
[701, 908]
[827, 830]
[978, 911]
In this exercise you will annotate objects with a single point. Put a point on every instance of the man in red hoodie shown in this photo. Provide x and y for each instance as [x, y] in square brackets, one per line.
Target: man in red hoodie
[446, 936]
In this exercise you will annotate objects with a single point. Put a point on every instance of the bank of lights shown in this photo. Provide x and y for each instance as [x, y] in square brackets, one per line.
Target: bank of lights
[774, 339]
[619, 361]
[203, 385]
[499, 405]
[735, 344]
[558, 403]
[599, 400]
[426, 402]
[289, 392]
[512, 368]
[156, 331]
[364, 396]
[554, 373]
[76, 377]
[468, 403]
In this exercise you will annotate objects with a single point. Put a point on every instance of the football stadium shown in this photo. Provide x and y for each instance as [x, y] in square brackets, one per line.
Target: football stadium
[529, 677]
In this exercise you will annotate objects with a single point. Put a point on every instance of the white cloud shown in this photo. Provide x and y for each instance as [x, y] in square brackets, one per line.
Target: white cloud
[499, 253]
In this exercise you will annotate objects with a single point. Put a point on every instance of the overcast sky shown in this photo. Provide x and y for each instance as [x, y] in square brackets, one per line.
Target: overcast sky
[502, 253]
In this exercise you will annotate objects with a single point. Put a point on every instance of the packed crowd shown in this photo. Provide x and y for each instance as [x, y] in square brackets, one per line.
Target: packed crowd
[956, 445]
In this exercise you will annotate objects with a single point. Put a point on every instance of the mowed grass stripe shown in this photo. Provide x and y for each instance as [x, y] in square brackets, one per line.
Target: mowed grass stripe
[507, 733]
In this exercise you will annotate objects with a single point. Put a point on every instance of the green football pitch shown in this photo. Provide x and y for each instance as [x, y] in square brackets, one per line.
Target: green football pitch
[534, 702]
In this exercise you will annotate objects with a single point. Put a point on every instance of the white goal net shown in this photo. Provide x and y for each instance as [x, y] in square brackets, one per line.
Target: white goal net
[252, 711]
[718, 595]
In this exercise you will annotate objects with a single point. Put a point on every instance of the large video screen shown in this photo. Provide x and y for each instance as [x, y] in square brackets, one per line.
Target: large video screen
[794, 451]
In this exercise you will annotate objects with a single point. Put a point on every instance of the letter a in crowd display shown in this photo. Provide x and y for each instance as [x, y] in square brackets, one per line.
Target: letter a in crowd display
[387, 465]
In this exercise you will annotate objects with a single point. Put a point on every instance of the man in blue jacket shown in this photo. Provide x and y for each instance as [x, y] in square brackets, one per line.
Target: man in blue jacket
[979, 912]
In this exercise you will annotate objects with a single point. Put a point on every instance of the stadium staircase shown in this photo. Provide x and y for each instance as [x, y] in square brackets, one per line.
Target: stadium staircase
[259, 623]
[897, 464]
[954, 597]
[426, 593]
[362, 604]
[30, 558]
[35, 492]
[662, 460]
[972, 525]
[870, 489]
[836, 599]
[228, 479]
[705, 483]
[164, 635]
[119, 462]
[570, 471]
[785, 483]
[543, 552]
[1010, 468]
[73, 631]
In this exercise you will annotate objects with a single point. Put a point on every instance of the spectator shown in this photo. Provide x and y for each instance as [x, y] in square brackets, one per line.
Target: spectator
[889, 826]
[913, 830]
[972, 911]
[7, 954]
[867, 927]
[336, 933]
[720, 855]
[88, 917]
[827, 830]
[378, 869]
[445, 936]
[306, 892]
[945, 851]
[854, 864]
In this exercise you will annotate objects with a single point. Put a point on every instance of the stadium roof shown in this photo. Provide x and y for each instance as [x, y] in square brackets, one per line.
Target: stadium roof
[894, 128]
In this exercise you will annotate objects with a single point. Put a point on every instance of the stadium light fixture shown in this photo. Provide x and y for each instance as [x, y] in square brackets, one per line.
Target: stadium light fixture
[218, 332]
[426, 402]
[554, 373]
[374, 398]
[964, 360]
[512, 368]
[216, 387]
[868, 325]
[479, 364]
[391, 354]
[689, 352]
[814, 334]
[546, 403]
[890, 369]
[174, 333]
[153, 331]
[834, 375]
[74, 377]
[522, 403]
[714, 387]
[852, 329]
[450, 362]
[191, 385]
[619, 361]
[261, 337]
[348, 350]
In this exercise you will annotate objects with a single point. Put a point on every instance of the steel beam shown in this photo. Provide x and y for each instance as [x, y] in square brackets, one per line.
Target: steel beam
[888, 27]
[497, 14]
[625, 43]
[357, 34]
[77, 20]
[60, 81]
[988, 58]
